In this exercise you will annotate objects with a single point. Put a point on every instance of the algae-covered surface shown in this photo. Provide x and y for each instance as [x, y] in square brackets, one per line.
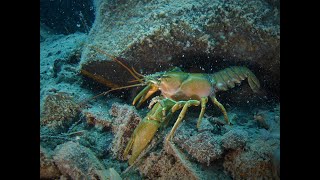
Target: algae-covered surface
[84, 135]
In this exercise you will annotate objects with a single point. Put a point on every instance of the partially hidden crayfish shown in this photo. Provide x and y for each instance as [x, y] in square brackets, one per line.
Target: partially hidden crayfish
[181, 90]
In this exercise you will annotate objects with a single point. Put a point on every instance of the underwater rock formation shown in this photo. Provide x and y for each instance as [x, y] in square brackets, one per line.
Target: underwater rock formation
[92, 119]
[97, 114]
[253, 162]
[48, 170]
[59, 110]
[59, 59]
[204, 146]
[234, 139]
[163, 166]
[172, 163]
[154, 35]
[205, 125]
[78, 162]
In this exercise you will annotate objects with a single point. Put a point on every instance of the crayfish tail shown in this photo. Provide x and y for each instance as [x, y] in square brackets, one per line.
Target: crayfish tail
[252, 79]
[253, 82]
[227, 78]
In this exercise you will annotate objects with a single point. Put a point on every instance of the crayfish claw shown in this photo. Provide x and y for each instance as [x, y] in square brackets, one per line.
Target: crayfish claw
[142, 93]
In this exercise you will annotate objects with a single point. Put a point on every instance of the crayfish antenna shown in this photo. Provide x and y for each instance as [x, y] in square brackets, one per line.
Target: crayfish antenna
[106, 92]
[119, 62]
[137, 72]
[133, 72]
[134, 80]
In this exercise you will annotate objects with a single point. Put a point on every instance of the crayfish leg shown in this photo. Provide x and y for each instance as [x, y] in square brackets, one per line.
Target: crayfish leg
[181, 115]
[203, 101]
[221, 107]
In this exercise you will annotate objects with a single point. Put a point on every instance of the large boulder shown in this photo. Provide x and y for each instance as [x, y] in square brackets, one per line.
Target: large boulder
[210, 35]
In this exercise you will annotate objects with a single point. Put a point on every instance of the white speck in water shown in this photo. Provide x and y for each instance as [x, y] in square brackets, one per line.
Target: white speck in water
[182, 55]
[78, 25]
[188, 44]
[247, 101]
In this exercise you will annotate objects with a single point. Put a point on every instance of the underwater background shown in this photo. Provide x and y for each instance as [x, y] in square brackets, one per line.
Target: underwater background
[88, 47]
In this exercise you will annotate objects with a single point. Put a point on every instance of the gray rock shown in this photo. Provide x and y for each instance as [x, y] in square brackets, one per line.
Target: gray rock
[78, 162]
[234, 139]
[154, 35]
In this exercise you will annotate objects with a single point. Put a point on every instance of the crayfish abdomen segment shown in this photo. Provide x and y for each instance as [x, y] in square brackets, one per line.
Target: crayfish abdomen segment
[227, 78]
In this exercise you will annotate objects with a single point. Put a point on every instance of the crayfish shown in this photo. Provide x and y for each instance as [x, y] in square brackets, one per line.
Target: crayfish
[179, 90]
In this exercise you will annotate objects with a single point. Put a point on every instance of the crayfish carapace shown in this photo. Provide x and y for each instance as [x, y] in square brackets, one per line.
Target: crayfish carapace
[179, 90]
